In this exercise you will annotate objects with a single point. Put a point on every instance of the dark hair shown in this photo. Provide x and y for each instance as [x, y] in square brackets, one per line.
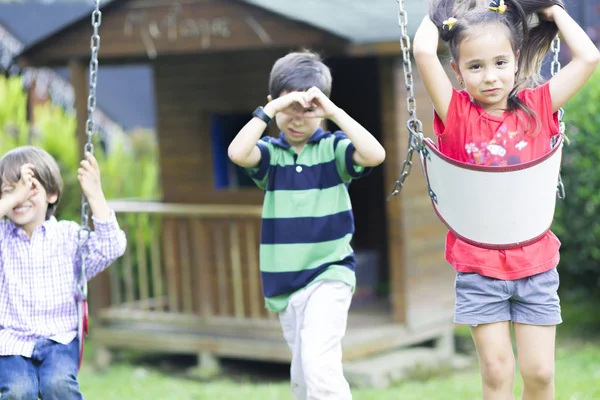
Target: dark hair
[529, 35]
[46, 171]
[299, 71]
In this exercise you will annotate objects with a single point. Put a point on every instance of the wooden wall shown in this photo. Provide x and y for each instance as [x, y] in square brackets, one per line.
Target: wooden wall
[152, 29]
[188, 91]
[198, 73]
[422, 279]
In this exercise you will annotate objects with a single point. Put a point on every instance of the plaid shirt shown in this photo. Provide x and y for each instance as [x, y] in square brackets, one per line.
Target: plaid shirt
[38, 279]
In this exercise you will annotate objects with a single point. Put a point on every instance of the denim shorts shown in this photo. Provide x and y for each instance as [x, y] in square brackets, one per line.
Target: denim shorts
[532, 300]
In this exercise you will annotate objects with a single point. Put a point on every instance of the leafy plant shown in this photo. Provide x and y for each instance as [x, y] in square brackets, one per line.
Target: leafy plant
[129, 169]
[577, 221]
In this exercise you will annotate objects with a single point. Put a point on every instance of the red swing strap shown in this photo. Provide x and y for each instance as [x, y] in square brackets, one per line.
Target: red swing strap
[84, 230]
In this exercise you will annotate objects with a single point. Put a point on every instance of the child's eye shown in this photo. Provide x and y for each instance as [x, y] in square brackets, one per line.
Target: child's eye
[475, 66]
[501, 63]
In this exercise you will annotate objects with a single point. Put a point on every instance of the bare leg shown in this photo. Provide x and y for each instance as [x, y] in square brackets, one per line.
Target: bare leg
[496, 360]
[535, 348]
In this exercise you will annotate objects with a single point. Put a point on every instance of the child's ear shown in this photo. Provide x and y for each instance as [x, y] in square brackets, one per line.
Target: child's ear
[456, 70]
[52, 198]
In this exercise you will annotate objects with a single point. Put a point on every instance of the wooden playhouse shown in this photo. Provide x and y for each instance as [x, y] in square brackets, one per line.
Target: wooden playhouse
[190, 281]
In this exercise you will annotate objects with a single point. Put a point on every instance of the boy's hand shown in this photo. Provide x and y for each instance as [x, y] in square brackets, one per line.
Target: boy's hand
[320, 105]
[293, 103]
[25, 188]
[89, 178]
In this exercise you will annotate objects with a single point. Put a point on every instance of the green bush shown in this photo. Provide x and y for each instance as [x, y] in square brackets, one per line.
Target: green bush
[129, 169]
[577, 221]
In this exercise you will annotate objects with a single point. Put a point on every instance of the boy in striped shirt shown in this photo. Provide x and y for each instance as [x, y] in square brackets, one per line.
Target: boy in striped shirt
[306, 261]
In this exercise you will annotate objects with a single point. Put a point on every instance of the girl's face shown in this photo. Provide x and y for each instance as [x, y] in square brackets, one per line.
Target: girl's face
[487, 65]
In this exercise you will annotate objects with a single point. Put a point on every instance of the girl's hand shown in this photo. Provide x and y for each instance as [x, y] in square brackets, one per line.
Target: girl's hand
[548, 13]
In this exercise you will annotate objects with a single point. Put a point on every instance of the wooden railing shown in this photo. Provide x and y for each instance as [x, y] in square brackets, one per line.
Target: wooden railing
[188, 263]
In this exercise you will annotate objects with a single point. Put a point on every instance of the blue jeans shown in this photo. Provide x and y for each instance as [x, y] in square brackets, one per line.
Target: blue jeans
[50, 373]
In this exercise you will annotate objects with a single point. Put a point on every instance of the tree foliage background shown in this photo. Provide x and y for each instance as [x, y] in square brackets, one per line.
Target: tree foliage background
[129, 170]
[577, 220]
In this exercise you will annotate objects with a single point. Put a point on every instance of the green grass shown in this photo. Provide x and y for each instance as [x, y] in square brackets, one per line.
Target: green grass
[577, 374]
[577, 377]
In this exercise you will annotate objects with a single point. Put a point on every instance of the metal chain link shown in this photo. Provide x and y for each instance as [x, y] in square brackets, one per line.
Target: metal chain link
[84, 230]
[415, 127]
[555, 69]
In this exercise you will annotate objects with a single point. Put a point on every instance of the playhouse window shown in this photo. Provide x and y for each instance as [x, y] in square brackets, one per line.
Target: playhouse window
[223, 128]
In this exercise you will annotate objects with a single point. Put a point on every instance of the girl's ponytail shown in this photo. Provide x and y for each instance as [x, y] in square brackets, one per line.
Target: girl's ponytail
[538, 41]
[442, 14]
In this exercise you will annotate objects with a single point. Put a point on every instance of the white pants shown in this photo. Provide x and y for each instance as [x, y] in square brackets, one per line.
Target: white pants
[314, 324]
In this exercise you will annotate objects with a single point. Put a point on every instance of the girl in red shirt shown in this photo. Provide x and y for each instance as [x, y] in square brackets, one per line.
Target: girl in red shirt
[503, 116]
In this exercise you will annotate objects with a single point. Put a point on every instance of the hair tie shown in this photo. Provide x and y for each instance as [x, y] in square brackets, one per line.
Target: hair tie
[498, 6]
[448, 24]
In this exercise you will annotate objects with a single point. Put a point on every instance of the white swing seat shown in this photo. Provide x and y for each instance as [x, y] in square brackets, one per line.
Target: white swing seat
[493, 207]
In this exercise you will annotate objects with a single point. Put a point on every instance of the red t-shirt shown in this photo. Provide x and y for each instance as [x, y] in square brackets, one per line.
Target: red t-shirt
[473, 136]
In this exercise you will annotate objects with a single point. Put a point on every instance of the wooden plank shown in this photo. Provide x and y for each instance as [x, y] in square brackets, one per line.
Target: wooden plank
[178, 28]
[368, 342]
[142, 267]
[254, 288]
[153, 304]
[170, 244]
[204, 260]
[184, 262]
[392, 166]
[79, 82]
[156, 263]
[237, 285]
[128, 272]
[357, 343]
[221, 265]
[169, 342]
[189, 322]
[200, 210]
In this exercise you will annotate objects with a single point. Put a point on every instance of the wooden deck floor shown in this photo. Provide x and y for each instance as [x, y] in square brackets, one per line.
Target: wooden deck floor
[370, 331]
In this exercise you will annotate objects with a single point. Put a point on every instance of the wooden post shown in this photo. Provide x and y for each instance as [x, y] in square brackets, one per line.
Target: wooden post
[79, 81]
[99, 287]
[392, 141]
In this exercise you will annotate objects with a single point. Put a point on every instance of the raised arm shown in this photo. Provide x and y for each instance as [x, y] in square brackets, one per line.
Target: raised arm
[243, 149]
[585, 58]
[108, 241]
[368, 152]
[432, 72]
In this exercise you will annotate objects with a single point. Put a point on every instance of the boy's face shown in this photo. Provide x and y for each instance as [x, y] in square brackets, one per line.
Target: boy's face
[296, 128]
[31, 213]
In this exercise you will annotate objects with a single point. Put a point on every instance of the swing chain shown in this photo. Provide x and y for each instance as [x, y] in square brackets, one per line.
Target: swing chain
[84, 231]
[414, 125]
[555, 69]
